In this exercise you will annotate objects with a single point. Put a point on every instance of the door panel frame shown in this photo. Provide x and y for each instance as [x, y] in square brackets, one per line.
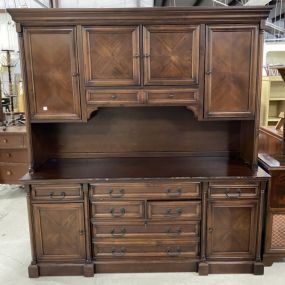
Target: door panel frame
[252, 72]
[32, 96]
[135, 31]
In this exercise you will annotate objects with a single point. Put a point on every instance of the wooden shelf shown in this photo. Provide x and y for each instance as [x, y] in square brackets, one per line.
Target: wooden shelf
[142, 168]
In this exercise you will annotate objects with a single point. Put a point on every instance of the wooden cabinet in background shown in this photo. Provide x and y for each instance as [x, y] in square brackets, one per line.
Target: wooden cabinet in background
[230, 71]
[52, 73]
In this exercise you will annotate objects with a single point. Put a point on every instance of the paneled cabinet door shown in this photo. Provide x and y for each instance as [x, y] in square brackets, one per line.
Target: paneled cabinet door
[232, 228]
[52, 73]
[111, 55]
[59, 231]
[171, 55]
[230, 71]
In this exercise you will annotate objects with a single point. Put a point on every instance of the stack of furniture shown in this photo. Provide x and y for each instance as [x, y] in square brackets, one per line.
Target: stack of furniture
[143, 128]
[271, 158]
[13, 154]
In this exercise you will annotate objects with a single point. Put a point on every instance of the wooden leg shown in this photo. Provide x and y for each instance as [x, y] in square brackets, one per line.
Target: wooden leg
[258, 268]
[33, 271]
[88, 270]
[203, 269]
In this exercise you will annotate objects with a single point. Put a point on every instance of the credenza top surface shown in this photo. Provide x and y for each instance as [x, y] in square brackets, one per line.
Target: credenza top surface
[195, 168]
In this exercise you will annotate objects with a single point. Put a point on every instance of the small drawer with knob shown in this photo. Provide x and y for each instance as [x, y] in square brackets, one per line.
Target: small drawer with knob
[11, 172]
[12, 141]
[57, 193]
[112, 97]
[172, 210]
[147, 190]
[233, 190]
[118, 210]
[14, 155]
[151, 248]
[173, 97]
[144, 229]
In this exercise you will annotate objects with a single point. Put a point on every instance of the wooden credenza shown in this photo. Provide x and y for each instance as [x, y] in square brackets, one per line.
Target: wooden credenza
[143, 133]
[13, 154]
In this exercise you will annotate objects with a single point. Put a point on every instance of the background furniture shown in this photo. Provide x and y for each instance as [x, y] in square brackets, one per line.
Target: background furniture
[141, 160]
[13, 154]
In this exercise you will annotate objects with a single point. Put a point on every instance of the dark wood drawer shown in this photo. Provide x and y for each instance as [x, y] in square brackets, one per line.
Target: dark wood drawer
[12, 141]
[14, 155]
[233, 191]
[172, 97]
[120, 209]
[112, 97]
[11, 172]
[161, 229]
[151, 248]
[171, 190]
[174, 210]
[57, 192]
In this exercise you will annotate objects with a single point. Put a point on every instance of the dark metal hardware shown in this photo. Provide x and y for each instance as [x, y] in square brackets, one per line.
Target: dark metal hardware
[118, 252]
[120, 214]
[171, 96]
[116, 195]
[146, 55]
[210, 230]
[81, 232]
[119, 234]
[174, 213]
[173, 252]
[176, 192]
[114, 96]
[232, 195]
[75, 74]
[136, 55]
[61, 197]
[175, 232]
[209, 72]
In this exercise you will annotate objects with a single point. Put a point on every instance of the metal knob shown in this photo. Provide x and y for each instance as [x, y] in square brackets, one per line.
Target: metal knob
[114, 96]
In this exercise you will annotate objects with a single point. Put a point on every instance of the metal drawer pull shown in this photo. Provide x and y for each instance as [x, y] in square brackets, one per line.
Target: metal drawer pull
[171, 96]
[174, 213]
[119, 234]
[61, 197]
[176, 192]
[116, 195]
[175, 252]
[136, 55]
[120, 214]
[114, 96]
[175, 232]
[118, 252]
[232, 195]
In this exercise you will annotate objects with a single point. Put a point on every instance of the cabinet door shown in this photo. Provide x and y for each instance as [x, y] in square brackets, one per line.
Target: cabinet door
[232, 229]
[111, 56]
[230, 71]
[59, 231]
[171, 55]
[52, 72]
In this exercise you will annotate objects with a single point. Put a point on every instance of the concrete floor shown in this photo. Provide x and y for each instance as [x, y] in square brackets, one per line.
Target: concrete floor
[15, 257]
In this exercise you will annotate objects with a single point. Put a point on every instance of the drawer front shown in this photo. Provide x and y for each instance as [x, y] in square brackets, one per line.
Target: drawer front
[118, 210]
[146, 230]
[12, 141]
[174, 210]
[57, 192]
[14, 155]
[233, 191]
[173, 97]
[12, 172]
[112, 97]
[146, 190]
[153, 248]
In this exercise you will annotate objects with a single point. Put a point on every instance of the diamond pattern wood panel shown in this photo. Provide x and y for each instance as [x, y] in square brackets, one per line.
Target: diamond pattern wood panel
[52, 73]
[59, 231]
[278, 231]
[171, 55]
[231, 65]
[111, 56]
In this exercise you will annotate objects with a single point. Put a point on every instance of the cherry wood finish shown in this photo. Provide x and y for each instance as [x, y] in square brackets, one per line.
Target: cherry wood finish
[270, 141]
[231, 59]
[143, 185]
[52, 72]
